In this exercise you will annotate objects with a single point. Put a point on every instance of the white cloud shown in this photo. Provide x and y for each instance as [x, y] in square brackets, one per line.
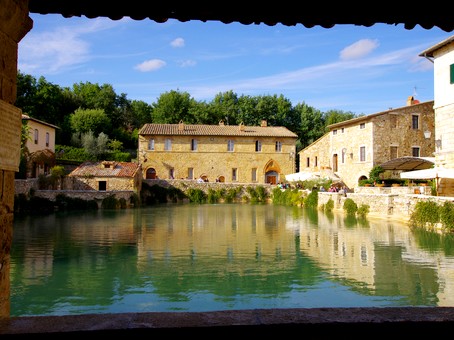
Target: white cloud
[187, 63]
[51, 52]
[359, 49]
[178, 42]
[150, 65]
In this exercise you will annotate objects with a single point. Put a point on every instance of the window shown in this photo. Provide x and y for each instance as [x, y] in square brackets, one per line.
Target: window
[47, 138]
[334, 132]
[415, 122]
[343, 156]
[36, 136]
[278, 146]
[362, 125]
[230, 145]
[308, 162]
[316, 161]
[102, 185]
[168, 144]
[393, 121]
[362, 153]
[415, 151]
[254, 175]
[190, 173]
[393, 152]
[234, 174]
[172, 173]
[151, 144]
[193, 144]
[258, 146]
[451, 74]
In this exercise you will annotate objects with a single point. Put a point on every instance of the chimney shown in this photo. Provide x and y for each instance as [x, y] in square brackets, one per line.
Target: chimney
[410, 100]
[241, 126]
[181, 126]
[221, 123]
[263, 124]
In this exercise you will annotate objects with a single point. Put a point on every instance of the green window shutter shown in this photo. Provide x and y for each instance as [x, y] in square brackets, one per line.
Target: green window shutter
[451, 74]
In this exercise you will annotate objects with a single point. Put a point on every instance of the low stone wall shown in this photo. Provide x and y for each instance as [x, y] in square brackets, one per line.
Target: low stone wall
[185, 184]
[384, 202]
[87, 195]
[23, 186]
[384, 205]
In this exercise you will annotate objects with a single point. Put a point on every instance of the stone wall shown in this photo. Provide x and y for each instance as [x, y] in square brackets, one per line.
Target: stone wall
[213, 161]
[378, 134]
[384, 204]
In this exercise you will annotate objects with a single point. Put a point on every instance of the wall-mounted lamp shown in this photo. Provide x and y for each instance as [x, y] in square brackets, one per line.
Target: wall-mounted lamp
[438, 143]
[344, 151]
[427, 134]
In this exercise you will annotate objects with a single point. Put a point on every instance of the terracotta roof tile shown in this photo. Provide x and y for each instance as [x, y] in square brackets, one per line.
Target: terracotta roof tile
[215, 130]
[97, 169]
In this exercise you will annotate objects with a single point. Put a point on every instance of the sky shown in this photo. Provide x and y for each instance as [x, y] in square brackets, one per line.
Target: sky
[356, 69]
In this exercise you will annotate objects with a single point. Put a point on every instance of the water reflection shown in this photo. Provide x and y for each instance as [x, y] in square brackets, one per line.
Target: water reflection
[225, 256]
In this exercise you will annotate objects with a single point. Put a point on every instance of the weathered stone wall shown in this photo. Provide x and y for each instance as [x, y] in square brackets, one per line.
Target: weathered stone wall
[98, 196]
[211, 159]
[390, 205]
[14, 25]
[340, 148]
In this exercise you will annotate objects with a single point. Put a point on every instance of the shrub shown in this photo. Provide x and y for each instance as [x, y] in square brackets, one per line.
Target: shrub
[447, 216]
[350, 207]
[196, 196]
[363, 210]
[110, 202]
[329, 206]
[312, 199]
[426, 213]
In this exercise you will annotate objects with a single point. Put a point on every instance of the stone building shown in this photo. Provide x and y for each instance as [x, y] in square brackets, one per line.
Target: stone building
[40, 146]
[442, 56]
[352, 148]
[217, 153]
[106, 176]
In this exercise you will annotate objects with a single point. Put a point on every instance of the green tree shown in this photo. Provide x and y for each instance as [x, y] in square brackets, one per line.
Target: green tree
[173, 107]
[312, 125]
[97, 147]
[225, 108]
[94, 120]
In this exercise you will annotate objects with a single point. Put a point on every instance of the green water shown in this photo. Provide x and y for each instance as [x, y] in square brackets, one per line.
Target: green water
[222, 257]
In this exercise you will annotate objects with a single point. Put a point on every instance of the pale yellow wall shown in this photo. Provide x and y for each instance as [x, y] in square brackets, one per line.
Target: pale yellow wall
[212, 159]
[42, 130]
[444, 115]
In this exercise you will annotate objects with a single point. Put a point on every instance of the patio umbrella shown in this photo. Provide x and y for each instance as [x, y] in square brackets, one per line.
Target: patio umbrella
[313, 175]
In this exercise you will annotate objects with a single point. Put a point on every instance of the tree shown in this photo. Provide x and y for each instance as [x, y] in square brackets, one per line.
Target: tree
[312, 125]
[95, 120]
[173, 107]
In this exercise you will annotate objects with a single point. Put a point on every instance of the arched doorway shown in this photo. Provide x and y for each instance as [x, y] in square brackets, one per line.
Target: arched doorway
[151, 174]
[272, 171]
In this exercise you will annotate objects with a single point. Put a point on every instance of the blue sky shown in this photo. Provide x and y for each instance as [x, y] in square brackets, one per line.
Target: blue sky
[349, 68]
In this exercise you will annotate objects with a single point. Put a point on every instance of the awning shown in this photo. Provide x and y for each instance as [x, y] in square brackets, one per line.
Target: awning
[313, 175]
[428, 173]
[409, 163]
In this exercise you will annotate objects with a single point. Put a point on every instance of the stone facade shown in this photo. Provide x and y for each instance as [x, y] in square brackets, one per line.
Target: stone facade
[105, 176]
[442, 55]
[223, 153]
[14, 25]
[353, 147]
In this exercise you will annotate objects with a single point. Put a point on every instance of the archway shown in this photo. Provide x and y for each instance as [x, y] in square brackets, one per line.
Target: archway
[151, 174]
[272, 171]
